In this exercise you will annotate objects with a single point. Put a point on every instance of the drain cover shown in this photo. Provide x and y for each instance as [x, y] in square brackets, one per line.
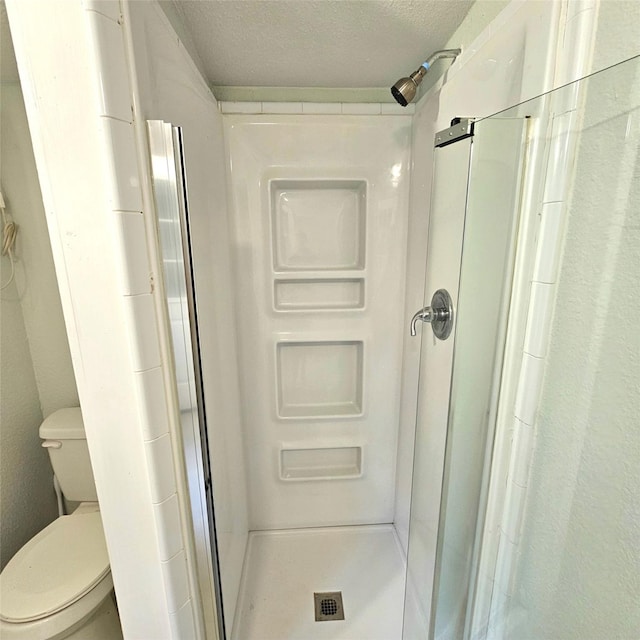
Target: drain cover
[328, 606]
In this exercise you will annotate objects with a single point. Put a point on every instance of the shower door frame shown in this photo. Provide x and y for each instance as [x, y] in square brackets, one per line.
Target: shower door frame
[171, 200]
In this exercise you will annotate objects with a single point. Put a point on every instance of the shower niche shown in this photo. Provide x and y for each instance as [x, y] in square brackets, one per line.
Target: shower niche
[318, 240]
[319, 379]
[321, 464]
[318, 225]
[318, 294]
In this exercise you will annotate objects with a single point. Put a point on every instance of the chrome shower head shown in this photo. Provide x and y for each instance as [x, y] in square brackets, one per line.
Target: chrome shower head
[404, 91]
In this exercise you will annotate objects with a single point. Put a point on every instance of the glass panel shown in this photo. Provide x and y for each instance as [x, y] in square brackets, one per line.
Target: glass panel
[575, 556]
[485, 288]
[446, 225]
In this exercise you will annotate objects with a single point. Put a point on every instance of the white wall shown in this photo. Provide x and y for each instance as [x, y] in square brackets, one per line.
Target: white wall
[481, 14]
[172, 89]
[320, 201]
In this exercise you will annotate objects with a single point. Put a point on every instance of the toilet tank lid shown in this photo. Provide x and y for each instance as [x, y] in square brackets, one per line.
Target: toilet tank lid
[54, 569]
[64, 424]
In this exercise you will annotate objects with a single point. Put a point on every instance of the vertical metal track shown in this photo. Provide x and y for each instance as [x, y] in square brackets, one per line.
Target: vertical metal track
[172, 211]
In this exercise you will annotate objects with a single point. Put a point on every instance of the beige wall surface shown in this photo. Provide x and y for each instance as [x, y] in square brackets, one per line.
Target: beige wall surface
[36, 376]
[27, 501]
[578, 571]
[618, 34]
[36, 282]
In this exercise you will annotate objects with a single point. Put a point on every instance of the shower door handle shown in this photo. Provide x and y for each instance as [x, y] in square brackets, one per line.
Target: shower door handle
[439, 315]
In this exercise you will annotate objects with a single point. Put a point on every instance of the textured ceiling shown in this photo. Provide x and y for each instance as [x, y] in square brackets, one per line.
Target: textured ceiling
[316, 43]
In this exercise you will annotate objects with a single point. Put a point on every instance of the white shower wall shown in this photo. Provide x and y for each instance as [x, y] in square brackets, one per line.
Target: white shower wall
[319, 207]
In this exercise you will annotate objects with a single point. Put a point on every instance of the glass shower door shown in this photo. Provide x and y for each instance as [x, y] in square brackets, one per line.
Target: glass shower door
[442, 269]
[474, 216]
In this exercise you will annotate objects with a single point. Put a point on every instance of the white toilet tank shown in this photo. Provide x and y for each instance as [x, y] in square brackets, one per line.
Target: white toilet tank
[64, 439]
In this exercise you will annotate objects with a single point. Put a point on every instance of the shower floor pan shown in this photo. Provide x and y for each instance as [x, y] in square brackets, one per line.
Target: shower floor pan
[284, 569]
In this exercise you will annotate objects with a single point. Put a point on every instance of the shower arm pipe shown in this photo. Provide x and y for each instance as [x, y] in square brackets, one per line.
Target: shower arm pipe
[436, 55]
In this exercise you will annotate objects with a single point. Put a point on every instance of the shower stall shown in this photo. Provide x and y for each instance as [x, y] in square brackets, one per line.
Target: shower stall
[358, 304]
[301, 505]
[318, 235]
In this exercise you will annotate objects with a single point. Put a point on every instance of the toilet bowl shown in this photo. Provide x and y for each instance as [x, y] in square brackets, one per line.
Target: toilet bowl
[59, 584]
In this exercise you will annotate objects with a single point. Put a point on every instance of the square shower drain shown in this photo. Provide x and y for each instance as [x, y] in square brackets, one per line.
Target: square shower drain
[328, 606]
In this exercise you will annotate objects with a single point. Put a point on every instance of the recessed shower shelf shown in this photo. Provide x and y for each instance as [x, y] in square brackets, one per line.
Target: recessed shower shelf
[328, 410]
[324, 463]
[319, 379]
[322, 294]
[318, 225]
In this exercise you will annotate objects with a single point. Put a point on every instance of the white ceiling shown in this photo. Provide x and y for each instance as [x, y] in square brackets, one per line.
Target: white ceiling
[316, 43]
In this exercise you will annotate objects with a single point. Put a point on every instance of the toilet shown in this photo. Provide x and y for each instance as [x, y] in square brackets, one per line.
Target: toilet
[59, 584]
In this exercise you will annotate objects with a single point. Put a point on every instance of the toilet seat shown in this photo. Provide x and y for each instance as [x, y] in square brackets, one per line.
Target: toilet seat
[55, 569]
[65, 622]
